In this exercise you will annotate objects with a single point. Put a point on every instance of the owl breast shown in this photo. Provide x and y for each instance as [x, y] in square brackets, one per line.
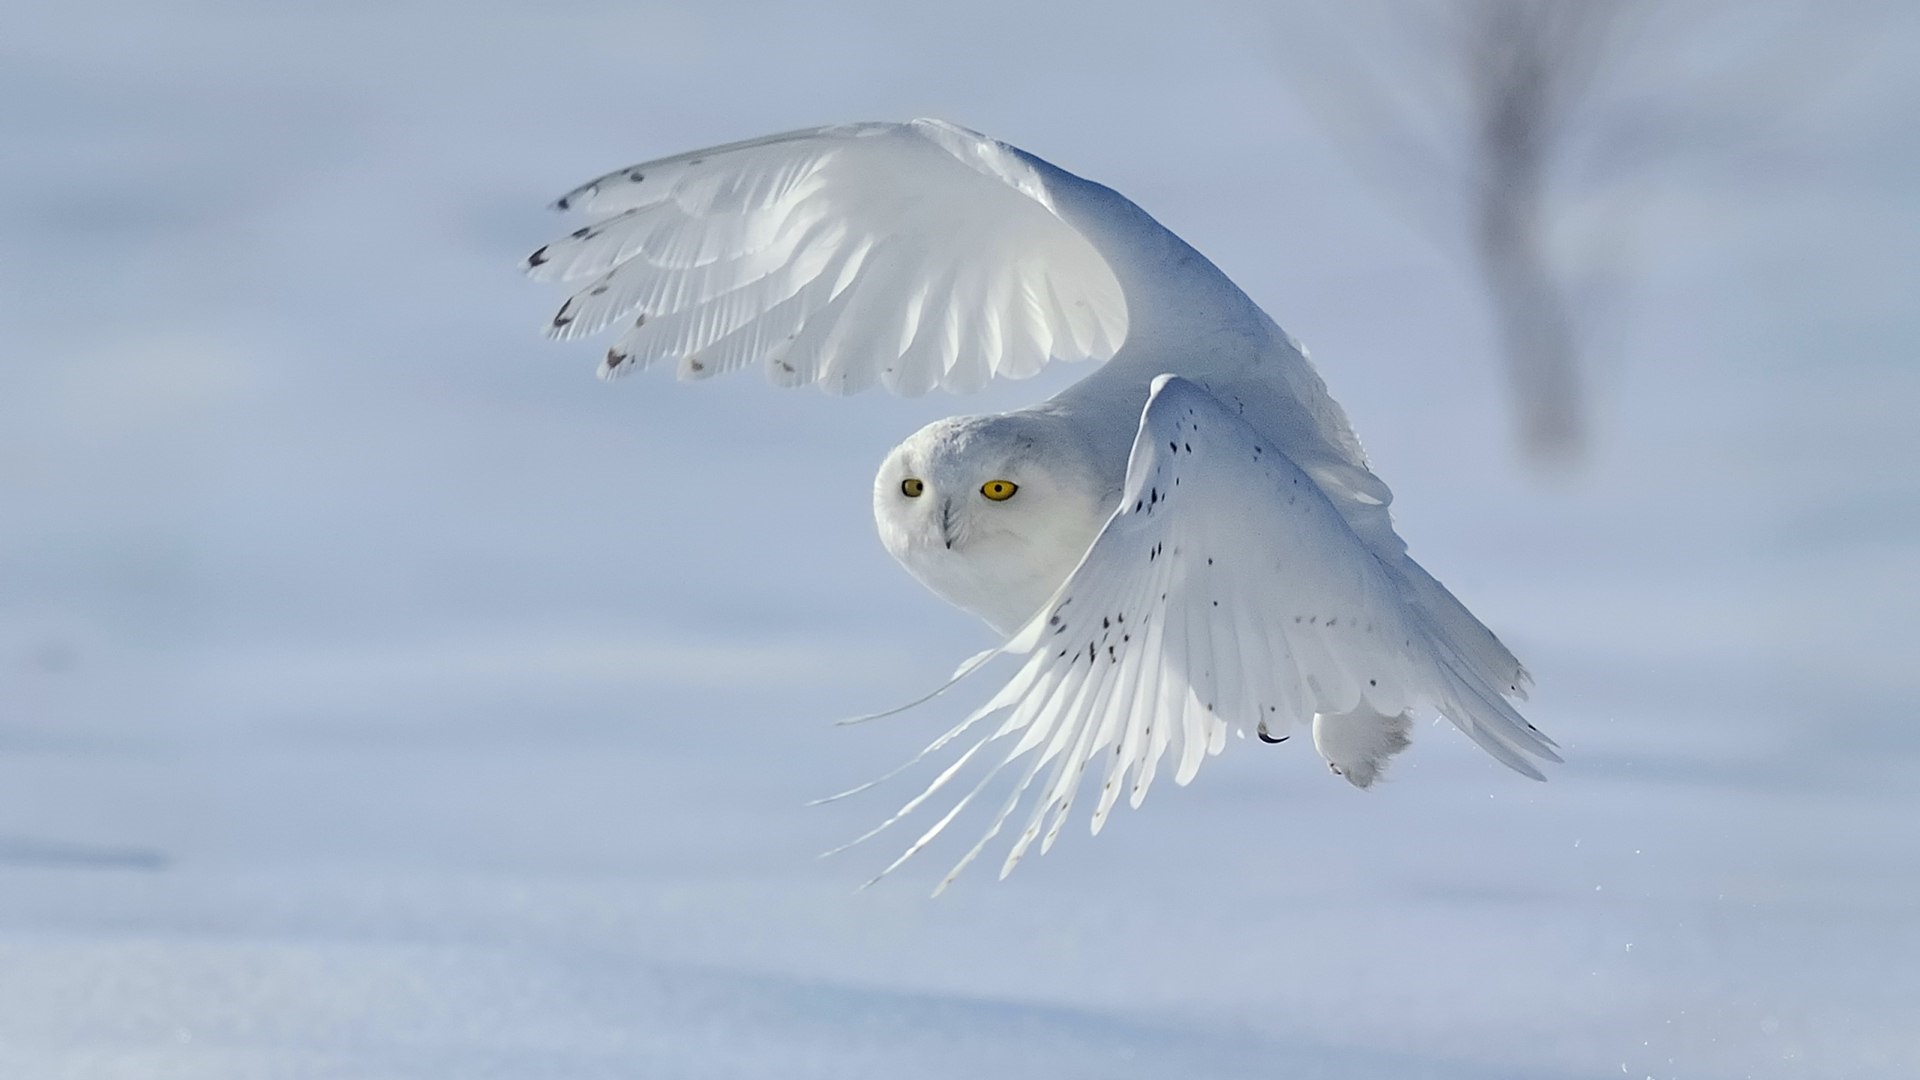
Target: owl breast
[1003, 579]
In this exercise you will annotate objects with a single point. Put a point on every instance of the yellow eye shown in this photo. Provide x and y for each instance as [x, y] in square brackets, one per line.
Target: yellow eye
[912, 488]
[999, 490]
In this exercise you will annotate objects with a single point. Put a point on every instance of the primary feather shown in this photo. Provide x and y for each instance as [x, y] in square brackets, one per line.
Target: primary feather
[915, 254]
[1188, 540]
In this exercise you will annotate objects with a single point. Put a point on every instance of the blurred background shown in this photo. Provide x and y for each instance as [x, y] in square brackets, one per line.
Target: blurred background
[382, 695]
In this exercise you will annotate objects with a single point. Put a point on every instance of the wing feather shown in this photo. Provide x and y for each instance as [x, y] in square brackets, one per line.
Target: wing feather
[1226, 591]
[946, 260]
[1127, 753]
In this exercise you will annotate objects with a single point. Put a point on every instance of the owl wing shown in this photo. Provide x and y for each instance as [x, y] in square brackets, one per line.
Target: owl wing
[916, 255]
[1225, 591]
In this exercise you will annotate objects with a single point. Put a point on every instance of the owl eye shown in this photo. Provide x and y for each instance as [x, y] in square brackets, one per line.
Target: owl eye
[911, 487]
[999, 490]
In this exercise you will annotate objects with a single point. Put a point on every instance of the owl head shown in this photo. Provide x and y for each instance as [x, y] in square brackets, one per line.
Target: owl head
[991, 512]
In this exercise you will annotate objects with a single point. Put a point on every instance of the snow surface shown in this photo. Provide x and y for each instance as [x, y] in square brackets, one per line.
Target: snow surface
[359, 716]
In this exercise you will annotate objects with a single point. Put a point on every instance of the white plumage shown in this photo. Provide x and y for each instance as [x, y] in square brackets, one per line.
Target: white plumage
[1186, 541]
[916, 255]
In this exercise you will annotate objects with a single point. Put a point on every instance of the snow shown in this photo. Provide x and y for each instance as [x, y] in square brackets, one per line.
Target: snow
[361, 715]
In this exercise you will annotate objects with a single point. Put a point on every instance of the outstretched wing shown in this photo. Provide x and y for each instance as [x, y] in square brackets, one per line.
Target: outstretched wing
[916, 255]
[1226, 590]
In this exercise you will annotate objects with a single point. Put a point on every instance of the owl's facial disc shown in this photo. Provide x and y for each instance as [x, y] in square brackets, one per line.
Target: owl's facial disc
[946, 515]
[990, 512]
[953, 485]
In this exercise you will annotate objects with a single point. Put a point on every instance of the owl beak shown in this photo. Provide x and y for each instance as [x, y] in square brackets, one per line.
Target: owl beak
[946, 522]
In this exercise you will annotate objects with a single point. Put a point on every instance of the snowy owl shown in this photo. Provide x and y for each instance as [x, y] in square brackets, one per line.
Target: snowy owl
[1186, 541]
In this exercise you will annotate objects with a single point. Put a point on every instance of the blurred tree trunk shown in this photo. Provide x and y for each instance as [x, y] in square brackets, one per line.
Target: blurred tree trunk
[1504, 125]
[1526, 64]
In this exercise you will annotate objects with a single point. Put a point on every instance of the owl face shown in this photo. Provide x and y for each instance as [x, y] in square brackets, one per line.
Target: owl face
[990, 512]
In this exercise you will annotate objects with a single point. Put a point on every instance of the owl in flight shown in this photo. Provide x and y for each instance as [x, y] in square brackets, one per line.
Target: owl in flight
[1186, 541]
